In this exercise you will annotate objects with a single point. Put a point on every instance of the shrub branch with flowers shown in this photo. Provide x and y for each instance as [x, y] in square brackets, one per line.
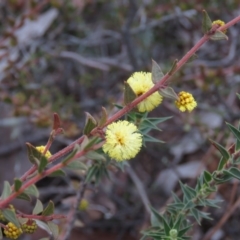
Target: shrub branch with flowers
[121, 140]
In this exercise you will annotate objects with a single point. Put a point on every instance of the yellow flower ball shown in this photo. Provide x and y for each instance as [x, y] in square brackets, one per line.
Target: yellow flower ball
[141, 82]
[41, 150]
[123, 141]
[186, 102]
[220, 23]
[11, 231]
[84, 204]
[29, 227]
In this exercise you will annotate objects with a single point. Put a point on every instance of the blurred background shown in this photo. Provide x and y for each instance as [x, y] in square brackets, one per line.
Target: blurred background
[72, 56]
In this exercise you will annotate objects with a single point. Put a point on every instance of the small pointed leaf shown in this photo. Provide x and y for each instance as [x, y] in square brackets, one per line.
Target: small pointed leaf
[38, 207]
[90, 124]
[206, 23]
[54, 229]
[221, 149]
[234, 172]
[76, 165]
[71, 155]
[49, 210]
[173, 68]
[43, 163]
[234, 130]
[34, 155]
[6, 190]
[11, 217]
[157, 73]
[129, 94]
[32, 190]
[24, 196]
[103, 117]
[56, 122]
[168, 92]
[58, 173]
[218, 35]
[17, 184]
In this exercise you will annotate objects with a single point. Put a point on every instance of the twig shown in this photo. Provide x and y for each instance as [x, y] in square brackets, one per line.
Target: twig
[72, 214]
[140, 188]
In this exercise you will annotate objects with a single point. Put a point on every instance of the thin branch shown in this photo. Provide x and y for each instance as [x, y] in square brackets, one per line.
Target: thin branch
[72, 214]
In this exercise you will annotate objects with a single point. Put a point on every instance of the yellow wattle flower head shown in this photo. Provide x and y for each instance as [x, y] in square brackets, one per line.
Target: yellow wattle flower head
[83, 205]
[41, 150]
[123, 141]
[11, 231]
[29, 227]
[141, 82]
[220, 23]
[186, 102]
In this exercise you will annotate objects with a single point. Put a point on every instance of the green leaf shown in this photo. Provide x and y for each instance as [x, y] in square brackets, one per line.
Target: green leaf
[183, 231]
[49, 210]
[11, 217]
[24, 196]
[234, 130]
[90, 124]
[58, 173]
[173, 68]
[17, 184]
[157, 73]
[168, 92]
[44, 226]
[129, 94]
[38, 207]
[91, 142]
[104, 117]
[218, 35]
[206, 23]
[91, 173]
[212, 202]
[76, 165]
[188, 193]
[43, 163]
[6, 190]
[54, 229]
[71, 155]
[221, 149]
[207, 176]
[158, 217]
[233, 172]
[195, 214]
[221, 164]
[161, 219]
[148, 138]
[32, 190]
[34, 155]
[93, 155]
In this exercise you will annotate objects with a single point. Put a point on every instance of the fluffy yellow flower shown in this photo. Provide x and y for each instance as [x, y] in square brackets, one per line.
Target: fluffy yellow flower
[220, 23]
[123, 142]
[141, 82]
[185, 102]
[41, 150]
